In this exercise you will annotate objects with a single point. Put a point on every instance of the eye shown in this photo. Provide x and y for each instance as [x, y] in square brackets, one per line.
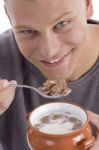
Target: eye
[62, 24]
[28, 33]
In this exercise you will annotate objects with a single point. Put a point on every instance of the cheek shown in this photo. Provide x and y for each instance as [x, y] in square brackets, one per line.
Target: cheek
[24, 49]
[78, 37]
[27, 47]
[75, 36]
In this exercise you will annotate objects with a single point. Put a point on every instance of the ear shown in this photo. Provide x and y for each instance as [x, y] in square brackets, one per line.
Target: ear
[89, 8]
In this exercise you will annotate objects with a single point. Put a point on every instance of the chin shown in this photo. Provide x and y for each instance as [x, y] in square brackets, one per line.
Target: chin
[56, 76]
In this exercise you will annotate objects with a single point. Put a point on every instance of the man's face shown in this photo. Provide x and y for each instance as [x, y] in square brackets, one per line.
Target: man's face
[51, 34]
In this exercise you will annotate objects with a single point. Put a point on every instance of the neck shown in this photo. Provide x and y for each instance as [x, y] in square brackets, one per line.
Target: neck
[89, 56]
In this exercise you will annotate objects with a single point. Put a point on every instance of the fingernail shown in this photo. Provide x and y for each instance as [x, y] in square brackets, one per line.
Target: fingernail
[13, 82]
[5, 83]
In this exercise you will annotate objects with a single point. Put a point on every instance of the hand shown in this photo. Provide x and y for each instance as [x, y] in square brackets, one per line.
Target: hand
[94, 119]
[6, 94]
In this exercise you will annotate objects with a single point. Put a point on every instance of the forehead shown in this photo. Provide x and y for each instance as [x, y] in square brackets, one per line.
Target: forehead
[40, 11]
[44, 2]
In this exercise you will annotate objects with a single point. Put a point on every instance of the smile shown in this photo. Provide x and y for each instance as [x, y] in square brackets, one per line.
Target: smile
[57, 60]
[57, 63]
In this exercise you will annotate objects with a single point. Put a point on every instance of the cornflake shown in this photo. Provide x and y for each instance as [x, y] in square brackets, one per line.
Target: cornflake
[54, 87]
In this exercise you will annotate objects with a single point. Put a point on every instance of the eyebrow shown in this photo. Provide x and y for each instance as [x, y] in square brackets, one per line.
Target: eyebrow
[62, 15]
[23, 27]
[55, 20]
[30, 0]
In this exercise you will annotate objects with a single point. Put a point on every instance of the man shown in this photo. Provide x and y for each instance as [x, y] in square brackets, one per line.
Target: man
[49, 40]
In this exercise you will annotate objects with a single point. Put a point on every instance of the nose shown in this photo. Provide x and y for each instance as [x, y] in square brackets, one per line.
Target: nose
[50, 45]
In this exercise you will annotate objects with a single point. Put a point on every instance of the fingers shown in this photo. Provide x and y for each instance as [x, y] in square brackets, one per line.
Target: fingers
[6, 94]
[94, 118]
[96, 145]
[5, 84]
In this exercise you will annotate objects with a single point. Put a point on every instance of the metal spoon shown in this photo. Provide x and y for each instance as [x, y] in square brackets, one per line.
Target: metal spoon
[44, 95]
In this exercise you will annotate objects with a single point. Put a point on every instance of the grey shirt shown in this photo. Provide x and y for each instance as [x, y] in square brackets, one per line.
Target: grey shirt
[13, 123]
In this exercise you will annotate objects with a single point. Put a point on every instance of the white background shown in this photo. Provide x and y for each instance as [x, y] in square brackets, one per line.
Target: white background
[5, 24]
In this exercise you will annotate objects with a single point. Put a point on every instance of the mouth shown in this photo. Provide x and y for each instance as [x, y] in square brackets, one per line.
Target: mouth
[56, 62]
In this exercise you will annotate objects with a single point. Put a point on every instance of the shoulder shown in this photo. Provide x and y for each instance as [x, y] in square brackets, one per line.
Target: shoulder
[8, 46]
[7, 41]
[13, 65]
[6, 36]
[10, 56]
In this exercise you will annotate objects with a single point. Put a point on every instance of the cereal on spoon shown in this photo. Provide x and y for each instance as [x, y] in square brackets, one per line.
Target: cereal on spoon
[54, 87]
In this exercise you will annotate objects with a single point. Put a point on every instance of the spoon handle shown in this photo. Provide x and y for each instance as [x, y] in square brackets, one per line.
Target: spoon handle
[24, 86]
[33, 88]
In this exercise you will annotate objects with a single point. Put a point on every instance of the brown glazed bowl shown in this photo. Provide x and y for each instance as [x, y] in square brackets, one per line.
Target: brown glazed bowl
[79, 139]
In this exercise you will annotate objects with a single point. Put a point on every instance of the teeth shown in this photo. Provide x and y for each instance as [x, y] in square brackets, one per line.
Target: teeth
[54, 61]
[58, 59]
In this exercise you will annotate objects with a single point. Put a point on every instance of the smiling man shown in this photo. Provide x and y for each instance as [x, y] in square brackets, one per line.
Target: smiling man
[54, 40]
[49, 40]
